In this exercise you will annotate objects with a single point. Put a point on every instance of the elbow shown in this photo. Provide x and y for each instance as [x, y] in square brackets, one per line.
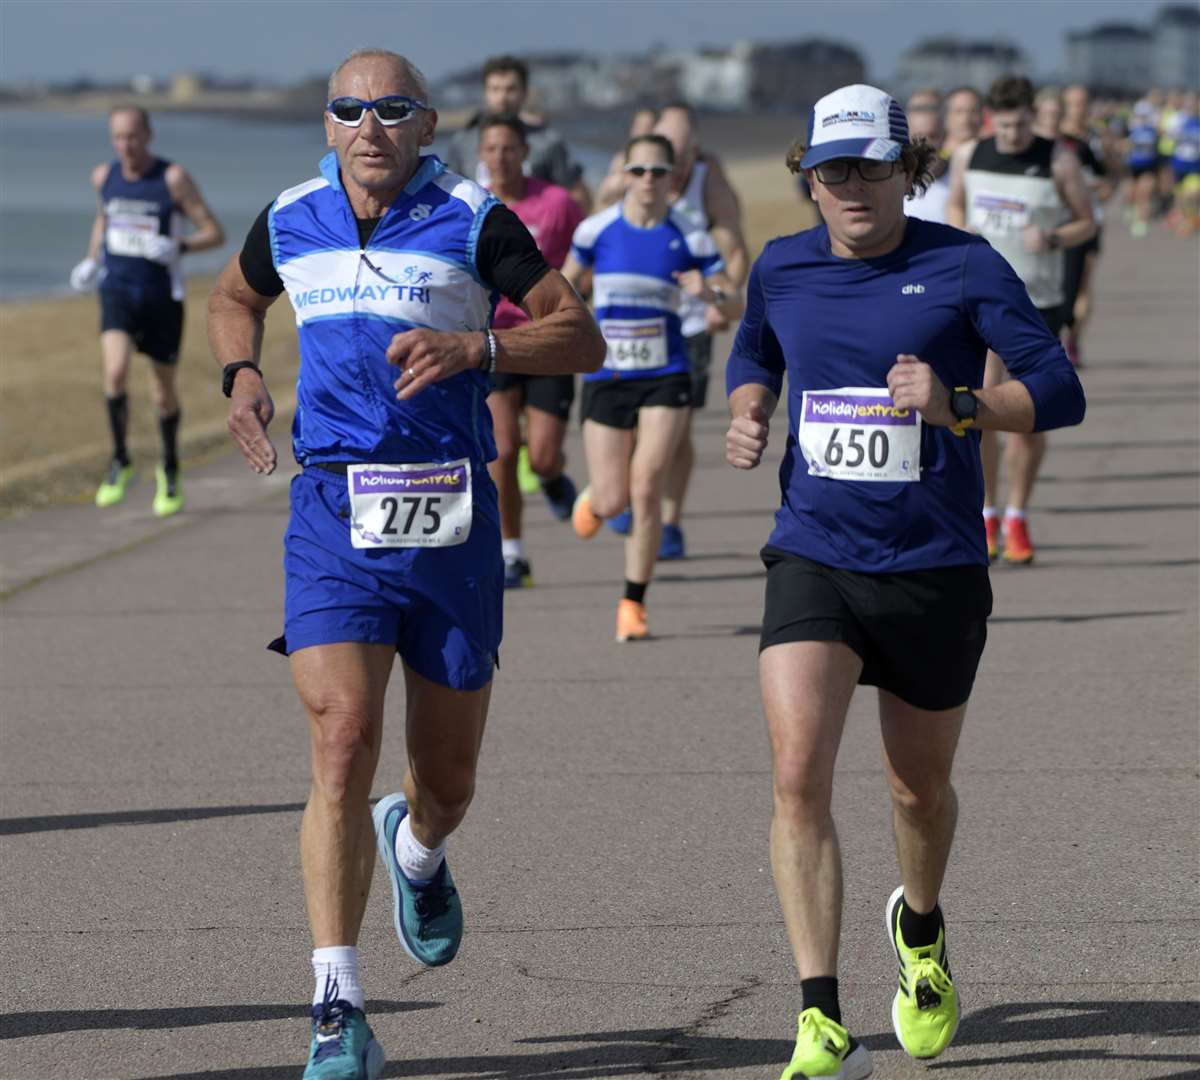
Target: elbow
[594, 350]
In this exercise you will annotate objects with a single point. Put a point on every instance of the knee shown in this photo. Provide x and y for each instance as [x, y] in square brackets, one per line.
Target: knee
[924, 801]
[802, 791]
[607, 504]
[545, 458]
[507, 447]
[645, 491]
[447, 796]
[343, 747]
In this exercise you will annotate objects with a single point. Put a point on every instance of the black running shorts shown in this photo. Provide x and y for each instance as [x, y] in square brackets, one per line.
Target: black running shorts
[699, 351]
[552, 394]
[156, 325]
[615, 402]
[920, 634]
[1055, 317]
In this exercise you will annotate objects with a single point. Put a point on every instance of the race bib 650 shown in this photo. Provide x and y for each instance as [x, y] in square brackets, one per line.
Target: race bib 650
[856, 433]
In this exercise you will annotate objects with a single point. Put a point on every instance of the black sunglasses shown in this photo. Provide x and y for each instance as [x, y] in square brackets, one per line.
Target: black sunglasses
[654, 170]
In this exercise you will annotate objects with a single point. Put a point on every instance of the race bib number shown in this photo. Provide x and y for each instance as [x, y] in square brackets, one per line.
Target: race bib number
[129, 234]
[856, 433]
[992, 213]
[422, 505]
[635, 344]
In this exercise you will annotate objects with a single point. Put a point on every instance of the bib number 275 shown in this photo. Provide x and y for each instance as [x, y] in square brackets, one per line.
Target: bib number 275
[402, 515]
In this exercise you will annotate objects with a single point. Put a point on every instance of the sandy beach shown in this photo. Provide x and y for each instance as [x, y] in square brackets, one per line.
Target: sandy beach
[54, 439]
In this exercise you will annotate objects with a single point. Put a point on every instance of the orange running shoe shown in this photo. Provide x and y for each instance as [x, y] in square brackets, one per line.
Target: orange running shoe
[991, 526]
[1017, 546]
[631, 621]
[584, 521]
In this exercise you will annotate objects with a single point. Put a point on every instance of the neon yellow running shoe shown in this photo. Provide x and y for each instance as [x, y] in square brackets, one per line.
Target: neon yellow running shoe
[825, 1049]
[168, 496]
[527, 480]
[112, 489]
[925, 1009]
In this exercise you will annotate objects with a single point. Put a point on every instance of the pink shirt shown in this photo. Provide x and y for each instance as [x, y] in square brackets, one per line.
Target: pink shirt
[550, 215]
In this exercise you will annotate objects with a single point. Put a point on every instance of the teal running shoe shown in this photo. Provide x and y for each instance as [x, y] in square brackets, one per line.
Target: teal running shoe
[343, 1045]
[427, 914]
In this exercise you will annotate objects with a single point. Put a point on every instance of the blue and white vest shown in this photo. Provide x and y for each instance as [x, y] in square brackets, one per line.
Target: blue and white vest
[416, 271]
[134, 211]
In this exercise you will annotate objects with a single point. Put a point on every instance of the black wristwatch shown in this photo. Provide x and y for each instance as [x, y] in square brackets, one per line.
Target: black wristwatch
[965, 406]
[229, 373]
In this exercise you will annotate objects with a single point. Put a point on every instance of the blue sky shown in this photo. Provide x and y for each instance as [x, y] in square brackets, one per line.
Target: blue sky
[282, 40]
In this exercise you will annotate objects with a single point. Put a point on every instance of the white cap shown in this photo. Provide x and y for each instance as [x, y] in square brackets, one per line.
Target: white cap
[856, 122]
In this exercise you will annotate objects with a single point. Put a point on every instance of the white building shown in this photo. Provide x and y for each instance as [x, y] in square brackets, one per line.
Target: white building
[1113, 58]
[946, 63]
[1175, 53]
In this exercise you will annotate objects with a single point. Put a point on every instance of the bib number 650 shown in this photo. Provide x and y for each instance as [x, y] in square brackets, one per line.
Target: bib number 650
[853, 451]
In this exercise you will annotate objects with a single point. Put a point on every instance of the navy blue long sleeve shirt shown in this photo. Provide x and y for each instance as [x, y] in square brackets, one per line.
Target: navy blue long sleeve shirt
[829, 323]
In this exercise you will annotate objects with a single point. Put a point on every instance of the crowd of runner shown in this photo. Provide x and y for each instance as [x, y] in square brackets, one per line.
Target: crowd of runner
[443, 312]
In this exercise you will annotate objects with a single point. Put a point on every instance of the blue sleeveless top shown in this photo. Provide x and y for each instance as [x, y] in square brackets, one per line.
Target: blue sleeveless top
[417, 270]
[135, 210]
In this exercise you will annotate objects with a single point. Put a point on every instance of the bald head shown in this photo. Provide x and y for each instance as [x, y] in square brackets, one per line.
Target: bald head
[675, 125]
[378, 63]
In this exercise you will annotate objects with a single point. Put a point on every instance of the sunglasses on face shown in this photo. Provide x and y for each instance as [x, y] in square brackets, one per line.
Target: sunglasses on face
[838, 170]
[389, 111]
[656, 171]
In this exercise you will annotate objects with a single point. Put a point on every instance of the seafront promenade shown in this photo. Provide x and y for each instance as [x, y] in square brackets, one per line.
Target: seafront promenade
[614, 869]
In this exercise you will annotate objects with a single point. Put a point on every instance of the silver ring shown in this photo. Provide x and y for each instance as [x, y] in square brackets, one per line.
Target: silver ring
[411, 374]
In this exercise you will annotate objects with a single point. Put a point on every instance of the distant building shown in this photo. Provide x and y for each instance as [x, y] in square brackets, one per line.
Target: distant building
[1175, 54]
[947, 62]
[1113, 58]
[1125, 59]
[767, 77]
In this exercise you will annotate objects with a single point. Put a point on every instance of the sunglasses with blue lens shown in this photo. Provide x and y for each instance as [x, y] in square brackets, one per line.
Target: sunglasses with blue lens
[389, 111]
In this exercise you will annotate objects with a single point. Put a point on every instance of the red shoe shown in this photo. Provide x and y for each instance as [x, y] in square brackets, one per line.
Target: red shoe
[1017, 546]
[991, 526]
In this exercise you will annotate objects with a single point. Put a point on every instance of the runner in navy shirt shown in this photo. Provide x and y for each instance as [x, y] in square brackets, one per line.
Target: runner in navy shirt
[877, 567]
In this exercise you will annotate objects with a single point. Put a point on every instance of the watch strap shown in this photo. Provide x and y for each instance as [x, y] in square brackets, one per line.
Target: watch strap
[229, 373]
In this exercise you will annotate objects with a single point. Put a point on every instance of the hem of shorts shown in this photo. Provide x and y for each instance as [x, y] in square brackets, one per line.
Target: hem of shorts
[830, 630]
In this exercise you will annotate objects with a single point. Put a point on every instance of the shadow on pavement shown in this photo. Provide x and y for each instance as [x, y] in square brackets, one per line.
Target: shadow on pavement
[57, 822]
[1090, 617]
[25, 1024]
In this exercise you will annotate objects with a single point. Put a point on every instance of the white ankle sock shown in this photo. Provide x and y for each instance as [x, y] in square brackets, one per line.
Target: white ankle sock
[418, 862]
[989, 512]
[337, 963]
[1011, 512]
[512, 549]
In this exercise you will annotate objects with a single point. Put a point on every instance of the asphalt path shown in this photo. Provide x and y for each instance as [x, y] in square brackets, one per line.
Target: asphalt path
[614, 866]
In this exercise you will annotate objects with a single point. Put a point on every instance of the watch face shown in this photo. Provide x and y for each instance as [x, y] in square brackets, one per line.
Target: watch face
[964, 405]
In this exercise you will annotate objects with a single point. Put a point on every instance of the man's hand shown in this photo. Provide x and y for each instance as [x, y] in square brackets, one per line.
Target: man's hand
[746, 438]
[250, 411]
[429, 356]
[913, 385]
[692, 283]
[86, 275]
[714, 321]
[161, 249]
[1037, 240]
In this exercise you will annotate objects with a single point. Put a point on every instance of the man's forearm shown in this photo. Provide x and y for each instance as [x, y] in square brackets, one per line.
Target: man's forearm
[1007, 407]
[235, 332]
[749, 396]
[561, 343]
[1076, 232]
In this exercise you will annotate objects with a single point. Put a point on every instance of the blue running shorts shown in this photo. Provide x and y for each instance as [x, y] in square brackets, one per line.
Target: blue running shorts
[442, 607]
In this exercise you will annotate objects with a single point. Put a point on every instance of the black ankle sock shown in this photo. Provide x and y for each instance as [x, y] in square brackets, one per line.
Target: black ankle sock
[634, 591]
[118, 423]
[168, 428]
[821, 993]
[555, 488]
[919, 930]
